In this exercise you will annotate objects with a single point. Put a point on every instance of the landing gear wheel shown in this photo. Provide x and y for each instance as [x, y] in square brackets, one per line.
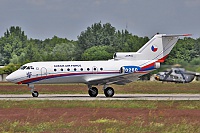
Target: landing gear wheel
[35, 94]
[93, 92]
[109, 92]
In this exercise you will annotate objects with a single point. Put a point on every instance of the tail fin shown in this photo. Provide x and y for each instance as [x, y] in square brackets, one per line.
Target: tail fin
[155, 49]
[159, 47]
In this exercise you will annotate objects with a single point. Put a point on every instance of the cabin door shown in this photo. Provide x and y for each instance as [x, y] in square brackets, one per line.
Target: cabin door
[43, 71]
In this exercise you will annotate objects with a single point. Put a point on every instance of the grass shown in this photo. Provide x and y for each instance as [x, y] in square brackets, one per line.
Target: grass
[103, 104]
[101, 116]
[17, 126]
[109, 127]
[154, 120]
[149, 87]
[102, 125]
[140, 87]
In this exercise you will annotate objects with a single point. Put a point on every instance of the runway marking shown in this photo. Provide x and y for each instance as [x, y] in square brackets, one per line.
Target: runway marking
[86, 97]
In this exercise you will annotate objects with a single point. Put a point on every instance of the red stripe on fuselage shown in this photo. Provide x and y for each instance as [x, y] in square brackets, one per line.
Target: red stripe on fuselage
[61, 75]
[152, 64]
[162, 59]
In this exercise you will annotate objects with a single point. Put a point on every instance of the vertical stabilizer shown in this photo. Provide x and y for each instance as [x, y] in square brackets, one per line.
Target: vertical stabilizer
[159, 47]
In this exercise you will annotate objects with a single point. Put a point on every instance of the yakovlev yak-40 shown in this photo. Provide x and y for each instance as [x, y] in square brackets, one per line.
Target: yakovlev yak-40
[125, 67]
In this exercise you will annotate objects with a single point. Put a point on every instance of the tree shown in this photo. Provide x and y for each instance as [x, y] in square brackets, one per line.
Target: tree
[63, 52]
[12, 44]
[184, 51]
[106, 35]
[96, 35]
[98, 53]
[9, 68]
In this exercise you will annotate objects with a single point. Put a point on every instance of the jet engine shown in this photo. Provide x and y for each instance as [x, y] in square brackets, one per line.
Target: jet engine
[157, 65]
[126, 55]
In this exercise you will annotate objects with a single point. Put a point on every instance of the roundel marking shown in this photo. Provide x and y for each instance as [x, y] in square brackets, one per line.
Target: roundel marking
[153, 48]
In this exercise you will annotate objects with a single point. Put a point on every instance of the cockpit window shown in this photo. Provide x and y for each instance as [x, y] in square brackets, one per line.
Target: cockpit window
[26, 67]
[31, 67]
[23, 67]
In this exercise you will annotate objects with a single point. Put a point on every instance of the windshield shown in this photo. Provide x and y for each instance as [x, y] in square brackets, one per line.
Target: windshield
[26, 67]
[23, 67]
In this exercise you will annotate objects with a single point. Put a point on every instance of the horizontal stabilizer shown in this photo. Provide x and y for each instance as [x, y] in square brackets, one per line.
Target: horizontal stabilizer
[176, 35]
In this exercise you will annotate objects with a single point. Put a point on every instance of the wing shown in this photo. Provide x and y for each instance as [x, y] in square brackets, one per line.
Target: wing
[119, 80]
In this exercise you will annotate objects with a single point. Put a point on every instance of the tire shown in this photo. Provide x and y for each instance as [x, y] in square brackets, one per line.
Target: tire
[35, 94]
[109, 92]
[93, 92]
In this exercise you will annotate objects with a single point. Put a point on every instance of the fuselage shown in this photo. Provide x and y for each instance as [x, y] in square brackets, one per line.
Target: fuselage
[76, 71]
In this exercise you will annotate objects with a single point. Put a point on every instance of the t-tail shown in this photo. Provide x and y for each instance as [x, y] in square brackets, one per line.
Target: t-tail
[156, 48]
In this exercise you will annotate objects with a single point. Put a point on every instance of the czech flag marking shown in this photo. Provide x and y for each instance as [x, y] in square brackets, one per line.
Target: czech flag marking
[153, 48]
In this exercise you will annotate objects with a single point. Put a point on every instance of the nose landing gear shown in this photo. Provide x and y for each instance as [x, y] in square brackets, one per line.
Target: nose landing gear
[34, 93]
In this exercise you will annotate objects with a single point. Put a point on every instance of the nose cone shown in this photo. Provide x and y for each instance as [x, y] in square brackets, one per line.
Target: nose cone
[16, 77]
[13, 77]
[10, 78]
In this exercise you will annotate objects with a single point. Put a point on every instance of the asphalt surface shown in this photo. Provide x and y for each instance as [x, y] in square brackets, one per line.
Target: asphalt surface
[86, 97]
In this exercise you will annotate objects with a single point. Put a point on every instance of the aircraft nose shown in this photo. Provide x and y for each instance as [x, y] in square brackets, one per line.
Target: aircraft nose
[10, 78]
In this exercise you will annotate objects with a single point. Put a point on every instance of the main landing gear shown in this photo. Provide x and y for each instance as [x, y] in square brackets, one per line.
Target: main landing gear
[109, 92]
[34, 93]
[93, 91]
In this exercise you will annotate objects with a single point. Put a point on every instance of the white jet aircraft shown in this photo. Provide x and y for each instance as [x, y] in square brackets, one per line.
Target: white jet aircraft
[125, 67]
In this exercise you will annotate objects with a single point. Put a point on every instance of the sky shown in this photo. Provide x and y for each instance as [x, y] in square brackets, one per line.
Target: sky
[42, 19]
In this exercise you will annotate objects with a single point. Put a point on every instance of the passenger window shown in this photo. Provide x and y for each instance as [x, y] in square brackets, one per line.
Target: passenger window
[88, 69]
[61, 69]
[95, 68]
[81, 69]
[101, 69]
[74, 69]
[68, 69]
[55, 70]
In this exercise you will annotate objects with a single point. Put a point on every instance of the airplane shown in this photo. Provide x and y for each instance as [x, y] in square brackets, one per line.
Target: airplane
[177, 75]
[125, 67]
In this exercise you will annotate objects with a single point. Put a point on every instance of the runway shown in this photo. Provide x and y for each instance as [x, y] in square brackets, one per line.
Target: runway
[86, 97]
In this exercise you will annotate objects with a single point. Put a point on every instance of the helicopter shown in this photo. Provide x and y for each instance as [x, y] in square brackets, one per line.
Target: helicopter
[177, 75]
